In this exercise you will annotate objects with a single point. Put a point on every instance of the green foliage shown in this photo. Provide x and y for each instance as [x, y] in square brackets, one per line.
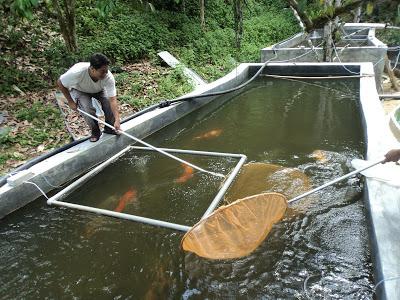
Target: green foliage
[24, 8]
[264, 31]
[174, 84]
[369, 8]
[131, 38]
[104, 7]
[4, 157]
[59, 59]
[5, 136]
[25, 80]
[36, 113]
[39, 124]
[44, 120]
[211, 55]
[128, 35]
[384, 12]
[142, 89]
[390, 37]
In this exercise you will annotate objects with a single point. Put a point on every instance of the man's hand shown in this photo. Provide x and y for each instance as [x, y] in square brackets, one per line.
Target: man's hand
[117, 126]
[67, 95]
[73, 105]
[392, 155]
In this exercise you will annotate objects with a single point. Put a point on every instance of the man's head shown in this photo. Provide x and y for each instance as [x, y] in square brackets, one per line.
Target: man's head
[99, 66]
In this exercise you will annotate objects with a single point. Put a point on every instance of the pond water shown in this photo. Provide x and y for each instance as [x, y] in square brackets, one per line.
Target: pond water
[322, 252]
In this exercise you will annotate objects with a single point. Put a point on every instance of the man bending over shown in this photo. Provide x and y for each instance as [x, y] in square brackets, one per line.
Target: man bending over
[87, 80]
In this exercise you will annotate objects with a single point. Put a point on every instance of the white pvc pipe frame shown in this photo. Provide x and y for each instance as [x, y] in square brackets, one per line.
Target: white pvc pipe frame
[217, 199]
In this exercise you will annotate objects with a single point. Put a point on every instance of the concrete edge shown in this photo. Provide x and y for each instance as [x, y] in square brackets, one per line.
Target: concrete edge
[382, 200]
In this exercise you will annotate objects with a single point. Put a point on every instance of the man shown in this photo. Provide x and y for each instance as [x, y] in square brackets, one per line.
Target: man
[87, 80]
[392, 155]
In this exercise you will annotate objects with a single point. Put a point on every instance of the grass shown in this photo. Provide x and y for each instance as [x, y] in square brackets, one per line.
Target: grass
[145, 86]
[32, 127]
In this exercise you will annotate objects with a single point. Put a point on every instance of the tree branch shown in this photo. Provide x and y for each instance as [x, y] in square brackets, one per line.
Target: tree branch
[319, 22]
[303, 16]
[338, 11]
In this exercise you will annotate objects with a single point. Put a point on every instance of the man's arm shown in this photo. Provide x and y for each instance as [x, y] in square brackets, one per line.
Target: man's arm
[114, 108]
[67, 95]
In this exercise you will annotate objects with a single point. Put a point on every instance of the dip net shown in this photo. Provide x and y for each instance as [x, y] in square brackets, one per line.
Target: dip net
[238, 228]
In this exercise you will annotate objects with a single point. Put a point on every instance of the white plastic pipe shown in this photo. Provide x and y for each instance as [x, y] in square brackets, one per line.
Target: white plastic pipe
[86, 177]
[336, 180]
[55, 199]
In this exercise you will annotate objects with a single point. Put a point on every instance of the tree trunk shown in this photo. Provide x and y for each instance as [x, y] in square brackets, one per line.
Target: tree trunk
[66, 21]
[238, 14]
[202, 19]
[328, 42]
[357, 15]
[327, 46]
[330, 29]
[392, 77]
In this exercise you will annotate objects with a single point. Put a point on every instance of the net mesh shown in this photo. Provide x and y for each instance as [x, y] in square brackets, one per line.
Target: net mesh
[235, 230]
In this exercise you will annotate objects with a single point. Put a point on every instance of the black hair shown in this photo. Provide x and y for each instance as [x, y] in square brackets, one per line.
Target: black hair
[98, 60]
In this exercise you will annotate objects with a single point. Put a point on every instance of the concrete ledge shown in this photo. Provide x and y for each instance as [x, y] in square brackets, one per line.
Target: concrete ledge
[382, 200]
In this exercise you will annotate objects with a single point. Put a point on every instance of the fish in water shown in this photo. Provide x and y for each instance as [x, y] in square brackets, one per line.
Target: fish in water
[99, 222]
[209, 135]
[187, 174]
[128, 197]
[320, 156]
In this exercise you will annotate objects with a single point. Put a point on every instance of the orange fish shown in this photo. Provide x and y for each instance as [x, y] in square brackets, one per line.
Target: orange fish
[187, 174]
[320, 156]
[209, 135]
[126, 198]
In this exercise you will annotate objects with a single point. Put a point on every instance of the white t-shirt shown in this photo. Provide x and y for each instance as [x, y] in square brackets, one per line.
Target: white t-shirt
[77, 77]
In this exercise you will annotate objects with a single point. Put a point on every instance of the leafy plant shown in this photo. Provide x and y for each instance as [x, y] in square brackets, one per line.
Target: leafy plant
[23, 8]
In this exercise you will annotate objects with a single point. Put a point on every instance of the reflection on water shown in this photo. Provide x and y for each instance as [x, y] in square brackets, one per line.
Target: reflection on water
[316, 253]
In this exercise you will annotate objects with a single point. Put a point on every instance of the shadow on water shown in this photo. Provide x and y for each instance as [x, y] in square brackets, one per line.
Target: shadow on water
[319, 251]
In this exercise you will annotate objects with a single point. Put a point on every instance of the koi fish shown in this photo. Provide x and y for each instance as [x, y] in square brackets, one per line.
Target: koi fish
[209, 135]
[161, 285]
[320, 156]
[128, 197]
[98, 222]
[187, 174]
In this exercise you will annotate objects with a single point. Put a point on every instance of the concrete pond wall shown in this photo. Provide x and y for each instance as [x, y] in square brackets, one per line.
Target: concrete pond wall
[382, 200]
[361, 45]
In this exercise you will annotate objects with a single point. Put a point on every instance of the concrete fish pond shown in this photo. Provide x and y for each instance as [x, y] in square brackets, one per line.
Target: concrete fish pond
[358, 44]
[322, 248]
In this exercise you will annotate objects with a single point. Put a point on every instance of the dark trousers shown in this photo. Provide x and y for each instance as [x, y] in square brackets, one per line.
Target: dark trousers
[84, 101]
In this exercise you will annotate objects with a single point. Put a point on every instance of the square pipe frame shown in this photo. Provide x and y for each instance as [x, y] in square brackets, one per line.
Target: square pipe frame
[55, 200]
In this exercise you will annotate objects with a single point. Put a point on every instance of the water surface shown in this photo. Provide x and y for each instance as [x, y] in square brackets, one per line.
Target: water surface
[321, 253]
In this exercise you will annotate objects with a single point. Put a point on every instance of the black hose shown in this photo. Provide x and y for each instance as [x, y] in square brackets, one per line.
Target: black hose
[168, 102]
[162, 104]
